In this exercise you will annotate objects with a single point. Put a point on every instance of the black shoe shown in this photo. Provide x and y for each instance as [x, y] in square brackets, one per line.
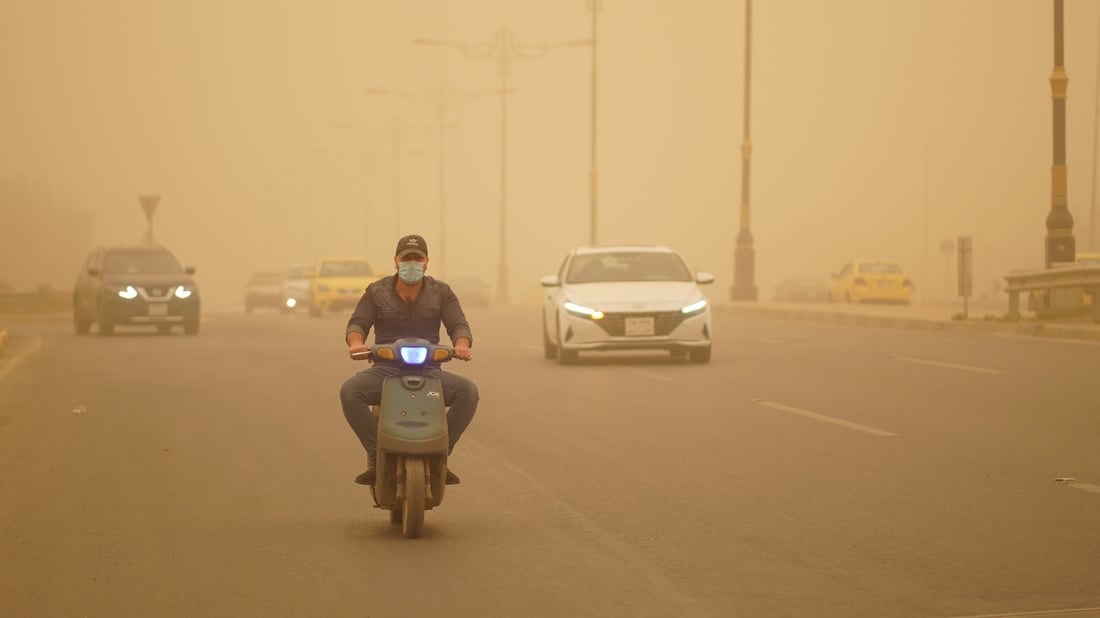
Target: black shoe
[452, 478]
[366, 477]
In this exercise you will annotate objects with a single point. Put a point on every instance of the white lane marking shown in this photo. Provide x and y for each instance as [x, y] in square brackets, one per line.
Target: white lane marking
[947, 365]
[1085, 486]
[1077, 611]
[822, 417]
[526, 346]
[654, 376]
[9, 364]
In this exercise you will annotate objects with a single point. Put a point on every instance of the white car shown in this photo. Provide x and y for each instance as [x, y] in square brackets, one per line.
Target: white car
[625, 298]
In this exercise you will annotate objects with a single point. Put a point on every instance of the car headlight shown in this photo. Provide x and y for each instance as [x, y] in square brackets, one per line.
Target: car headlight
[182, 292]
[576, 309]
[128, 292]
[694, 307]
[290, 302]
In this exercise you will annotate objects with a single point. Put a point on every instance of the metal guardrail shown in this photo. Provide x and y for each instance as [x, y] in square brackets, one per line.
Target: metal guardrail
[1074, 288]
[42, 301]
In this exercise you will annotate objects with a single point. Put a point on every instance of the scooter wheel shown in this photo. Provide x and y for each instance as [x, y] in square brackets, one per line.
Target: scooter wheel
[413, 505]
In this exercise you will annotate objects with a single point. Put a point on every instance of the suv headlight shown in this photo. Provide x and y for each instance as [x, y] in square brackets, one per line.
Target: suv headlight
[694, 307]
[128, 292]
[576, 309]
[183, 292]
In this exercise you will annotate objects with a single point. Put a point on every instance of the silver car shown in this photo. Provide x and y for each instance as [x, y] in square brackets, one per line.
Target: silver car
[625, 298]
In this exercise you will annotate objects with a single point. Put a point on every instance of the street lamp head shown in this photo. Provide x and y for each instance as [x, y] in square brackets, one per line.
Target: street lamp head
[579, 42]
[377, 91]
[427, 42]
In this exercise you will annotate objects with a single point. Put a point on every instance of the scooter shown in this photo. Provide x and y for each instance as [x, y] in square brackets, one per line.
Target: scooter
[411, 466]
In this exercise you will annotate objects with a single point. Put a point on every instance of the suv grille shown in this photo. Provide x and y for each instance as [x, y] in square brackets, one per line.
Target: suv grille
[158, 291]
[614, 324]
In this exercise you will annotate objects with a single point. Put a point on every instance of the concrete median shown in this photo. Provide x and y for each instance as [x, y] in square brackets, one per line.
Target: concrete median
[912, 317]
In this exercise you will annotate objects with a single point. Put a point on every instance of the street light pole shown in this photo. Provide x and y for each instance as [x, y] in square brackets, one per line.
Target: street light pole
[1060, 243]
[595, 6]
[502, 47]
[744, 285]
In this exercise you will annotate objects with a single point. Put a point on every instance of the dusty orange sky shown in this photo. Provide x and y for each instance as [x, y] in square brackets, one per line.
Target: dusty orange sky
[881, 128]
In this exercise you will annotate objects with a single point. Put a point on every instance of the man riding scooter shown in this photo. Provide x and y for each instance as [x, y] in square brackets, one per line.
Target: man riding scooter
[406, 304]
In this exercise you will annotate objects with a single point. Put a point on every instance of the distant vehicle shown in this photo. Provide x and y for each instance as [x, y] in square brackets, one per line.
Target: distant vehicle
[471, 291]
[264, 289]
[339, 283]
[296, 285]
[138, 285]
[863, 281]
[625, 298]
[802, 289]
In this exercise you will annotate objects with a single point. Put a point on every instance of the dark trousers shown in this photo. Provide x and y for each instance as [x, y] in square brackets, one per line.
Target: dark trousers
[364, 389]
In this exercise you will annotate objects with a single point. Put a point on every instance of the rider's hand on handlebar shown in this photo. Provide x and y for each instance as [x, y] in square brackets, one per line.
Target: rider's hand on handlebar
[463, 351]
[359, 352]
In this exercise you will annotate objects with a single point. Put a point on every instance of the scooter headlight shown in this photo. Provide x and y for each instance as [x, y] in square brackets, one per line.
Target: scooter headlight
[414, 355]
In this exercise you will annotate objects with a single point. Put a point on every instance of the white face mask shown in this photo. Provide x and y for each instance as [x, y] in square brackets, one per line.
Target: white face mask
[410, 272]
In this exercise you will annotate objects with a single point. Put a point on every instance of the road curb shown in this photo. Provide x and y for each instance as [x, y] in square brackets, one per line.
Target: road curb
[1032, 329]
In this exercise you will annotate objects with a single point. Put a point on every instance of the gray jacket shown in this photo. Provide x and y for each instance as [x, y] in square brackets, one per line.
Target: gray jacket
[392, 318]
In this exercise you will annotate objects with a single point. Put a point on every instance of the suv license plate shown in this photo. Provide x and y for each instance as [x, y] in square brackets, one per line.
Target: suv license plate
[158, 309]
[638, 327]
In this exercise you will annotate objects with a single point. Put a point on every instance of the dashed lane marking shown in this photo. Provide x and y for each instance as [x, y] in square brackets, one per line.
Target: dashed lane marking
[823, 418]
[922, 361]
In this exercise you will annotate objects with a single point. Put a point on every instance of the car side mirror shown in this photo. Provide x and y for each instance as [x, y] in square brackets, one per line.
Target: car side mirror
[189, 270]
[93, 272]
[704, 278]
[550, 281]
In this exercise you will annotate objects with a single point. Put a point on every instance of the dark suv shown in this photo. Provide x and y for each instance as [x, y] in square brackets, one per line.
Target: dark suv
[139, 285]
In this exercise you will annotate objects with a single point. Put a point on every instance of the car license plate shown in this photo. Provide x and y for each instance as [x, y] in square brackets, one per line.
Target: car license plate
[158, 309]
[638, 327]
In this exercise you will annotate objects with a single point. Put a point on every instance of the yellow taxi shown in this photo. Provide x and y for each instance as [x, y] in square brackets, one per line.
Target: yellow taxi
[871, 281]
[339, 282]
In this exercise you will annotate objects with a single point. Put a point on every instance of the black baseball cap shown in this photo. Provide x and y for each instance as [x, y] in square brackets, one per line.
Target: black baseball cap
[413, 243]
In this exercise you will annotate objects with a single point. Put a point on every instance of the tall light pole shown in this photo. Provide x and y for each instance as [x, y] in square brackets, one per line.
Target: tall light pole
[595, 6]
[442, 96]
[502, 47]
[744, 284]
[149, 204]
[1060, 243]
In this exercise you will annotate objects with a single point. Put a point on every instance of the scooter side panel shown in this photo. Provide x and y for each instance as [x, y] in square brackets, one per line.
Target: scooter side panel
[412, 420]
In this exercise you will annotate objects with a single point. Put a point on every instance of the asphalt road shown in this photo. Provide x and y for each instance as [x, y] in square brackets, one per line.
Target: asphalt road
[808, 470]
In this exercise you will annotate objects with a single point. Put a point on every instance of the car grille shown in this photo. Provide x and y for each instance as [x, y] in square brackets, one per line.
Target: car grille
[158, 291]
[664, 322]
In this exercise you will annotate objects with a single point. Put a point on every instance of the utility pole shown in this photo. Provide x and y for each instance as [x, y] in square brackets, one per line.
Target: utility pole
[1060, 243]
[503, 47]
[744, 283]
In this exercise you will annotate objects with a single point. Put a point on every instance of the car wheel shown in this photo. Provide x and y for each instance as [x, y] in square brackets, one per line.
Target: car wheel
[191, 325]
[314, 312]
[549, 350]
[699, 355]
[106, 321]
[80, 324]
[565, 357]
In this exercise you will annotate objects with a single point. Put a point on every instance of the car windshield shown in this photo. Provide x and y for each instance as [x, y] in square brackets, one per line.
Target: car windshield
[300, 272]
[347, 268]
[627, 266]
[142, 263]
[267, 278]
[880, 268]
